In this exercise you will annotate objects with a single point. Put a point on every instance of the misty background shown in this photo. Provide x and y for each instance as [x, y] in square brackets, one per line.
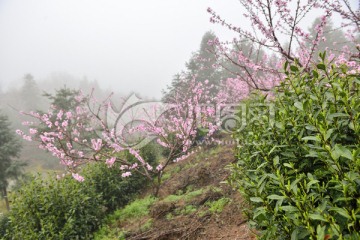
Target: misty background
[124, 45]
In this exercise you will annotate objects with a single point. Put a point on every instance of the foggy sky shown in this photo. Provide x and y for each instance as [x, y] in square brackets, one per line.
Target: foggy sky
[124, 45]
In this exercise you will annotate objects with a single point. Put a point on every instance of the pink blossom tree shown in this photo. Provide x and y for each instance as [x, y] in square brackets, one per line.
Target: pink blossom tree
[277, 35]
[81, 135]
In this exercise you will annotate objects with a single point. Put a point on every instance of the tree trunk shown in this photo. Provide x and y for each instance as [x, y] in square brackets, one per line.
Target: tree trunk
[6, 198]
[156, 187]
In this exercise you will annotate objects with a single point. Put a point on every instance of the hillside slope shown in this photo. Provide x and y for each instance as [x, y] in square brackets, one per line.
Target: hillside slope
[194, 203]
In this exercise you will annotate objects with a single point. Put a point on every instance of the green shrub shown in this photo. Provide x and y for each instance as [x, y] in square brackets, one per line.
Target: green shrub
[66, 208]
[299, 163]
[115, 190]
[55, 209]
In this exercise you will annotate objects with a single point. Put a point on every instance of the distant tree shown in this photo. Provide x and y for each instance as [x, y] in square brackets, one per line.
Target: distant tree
[202, 62]
[67, 102]
[64, 98]
[333, 39]
[9, 149]
[30, 93]
[200, 66]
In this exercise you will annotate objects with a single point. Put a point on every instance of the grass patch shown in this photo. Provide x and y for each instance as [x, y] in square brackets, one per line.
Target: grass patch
[110, 233]
[202, 213]
[189, 209]
[193, 194]
[218, 205]
[169, 216]
[147, 225]
[165, 176]
[173, 198]
[183, 196]
[136, 209]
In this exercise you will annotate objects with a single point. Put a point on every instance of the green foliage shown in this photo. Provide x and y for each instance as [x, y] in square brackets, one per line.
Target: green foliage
[218, 205]
[55, 209]
[299, 162]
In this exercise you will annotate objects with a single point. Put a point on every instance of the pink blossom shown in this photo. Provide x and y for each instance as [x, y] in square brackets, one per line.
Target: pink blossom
[65, 123]
[126, 174]
[68, 115]
[69, 146]
[159, 167]
[123, 167]
[60, 114]
[77, 177]
[96, 144]
[135, 165]
[81, 154]
[162, 143]
[149, 167]
[110, 162]
[137, 156]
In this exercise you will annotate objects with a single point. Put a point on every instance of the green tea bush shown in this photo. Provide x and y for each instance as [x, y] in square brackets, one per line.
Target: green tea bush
[115, 190]
[299, 156]
[65, 208]
[55, 209]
